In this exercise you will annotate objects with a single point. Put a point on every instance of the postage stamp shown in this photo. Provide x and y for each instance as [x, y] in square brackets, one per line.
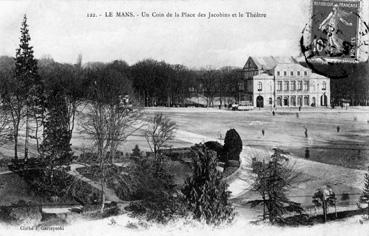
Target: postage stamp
[337, 31]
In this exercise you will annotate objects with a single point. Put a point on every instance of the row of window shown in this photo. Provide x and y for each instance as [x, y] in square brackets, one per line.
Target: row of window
[292, 73]
[291, 85]
[294, 101]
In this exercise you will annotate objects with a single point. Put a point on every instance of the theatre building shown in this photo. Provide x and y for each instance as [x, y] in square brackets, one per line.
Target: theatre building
[283, 82]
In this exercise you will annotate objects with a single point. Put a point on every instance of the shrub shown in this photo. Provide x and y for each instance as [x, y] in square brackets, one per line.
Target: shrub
[232, 146]
[205, 192]
[215, 146]
[157, 197]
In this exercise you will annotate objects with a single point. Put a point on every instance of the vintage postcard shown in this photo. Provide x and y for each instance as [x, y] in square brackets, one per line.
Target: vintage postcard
[138, 117]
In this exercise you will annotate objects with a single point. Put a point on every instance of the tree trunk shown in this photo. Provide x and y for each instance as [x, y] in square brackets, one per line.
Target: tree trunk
[325, 210]
[26, 138]
[36, 134]
[16, 121]
[102, 196]
[16, 146]
[264, 207]
[102, 180]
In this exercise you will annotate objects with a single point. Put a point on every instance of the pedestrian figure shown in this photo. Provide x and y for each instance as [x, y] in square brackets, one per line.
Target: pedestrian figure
[306, 132]
[262, 132]
[299, 108]
[297, 115]
[307, 153]
[273, 112]
[338, 129]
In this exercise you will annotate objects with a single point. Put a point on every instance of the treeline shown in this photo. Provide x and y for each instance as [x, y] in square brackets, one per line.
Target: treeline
[151, 82]
[349, 81]
[354, 87]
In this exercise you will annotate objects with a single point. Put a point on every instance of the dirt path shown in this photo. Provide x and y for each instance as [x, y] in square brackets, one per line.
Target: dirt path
[6, 172]
[109, 193]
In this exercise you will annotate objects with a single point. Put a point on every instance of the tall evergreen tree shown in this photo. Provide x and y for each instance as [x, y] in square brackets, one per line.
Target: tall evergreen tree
[272, 183]
[29, 82]
[56, 148]
[205, 191]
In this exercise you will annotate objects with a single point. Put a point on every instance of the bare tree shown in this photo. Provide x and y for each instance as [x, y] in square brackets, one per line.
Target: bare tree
[108, 121]
[210, 83]
[159, 131]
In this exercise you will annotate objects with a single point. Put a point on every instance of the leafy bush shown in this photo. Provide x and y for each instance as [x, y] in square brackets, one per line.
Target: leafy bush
[215, 146]
[232, 146]
[157, 197]
[205, 192]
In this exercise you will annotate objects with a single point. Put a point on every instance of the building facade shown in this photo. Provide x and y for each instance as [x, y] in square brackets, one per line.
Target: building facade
[283, 82]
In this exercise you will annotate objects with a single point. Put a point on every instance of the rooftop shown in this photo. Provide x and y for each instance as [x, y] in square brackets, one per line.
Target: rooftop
[268, 63]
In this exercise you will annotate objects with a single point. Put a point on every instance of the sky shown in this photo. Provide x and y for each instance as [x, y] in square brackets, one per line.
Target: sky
[62, 30]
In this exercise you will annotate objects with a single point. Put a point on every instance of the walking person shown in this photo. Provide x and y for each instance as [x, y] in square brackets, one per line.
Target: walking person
[262, 132]
[338, 128]
[306, 132]
[307, 153]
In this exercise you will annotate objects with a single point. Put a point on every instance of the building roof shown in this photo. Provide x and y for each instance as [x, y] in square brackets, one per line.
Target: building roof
[268, 63]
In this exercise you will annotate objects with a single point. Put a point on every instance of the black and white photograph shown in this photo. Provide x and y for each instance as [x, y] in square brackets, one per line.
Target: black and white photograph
[184, 117]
